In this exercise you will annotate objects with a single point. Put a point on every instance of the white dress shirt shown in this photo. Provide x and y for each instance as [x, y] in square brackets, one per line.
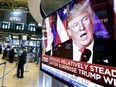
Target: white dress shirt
[77, 53]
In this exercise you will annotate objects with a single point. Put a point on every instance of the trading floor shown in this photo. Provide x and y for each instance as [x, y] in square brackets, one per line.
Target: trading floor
[10, 80]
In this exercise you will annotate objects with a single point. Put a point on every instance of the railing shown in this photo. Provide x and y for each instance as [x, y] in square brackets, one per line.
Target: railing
[3, 73]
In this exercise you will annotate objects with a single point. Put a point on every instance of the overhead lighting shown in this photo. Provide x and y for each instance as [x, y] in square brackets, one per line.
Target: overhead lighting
[2, 3]
[15, 4]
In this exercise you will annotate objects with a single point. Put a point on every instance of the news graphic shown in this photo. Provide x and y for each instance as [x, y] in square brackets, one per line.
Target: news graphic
[96, 67]
[80, 73]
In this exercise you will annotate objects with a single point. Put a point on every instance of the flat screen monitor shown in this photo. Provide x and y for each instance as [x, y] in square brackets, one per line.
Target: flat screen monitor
[15, 37]
[67, 30]
[32, 43]
[16, 42]
[24, 37]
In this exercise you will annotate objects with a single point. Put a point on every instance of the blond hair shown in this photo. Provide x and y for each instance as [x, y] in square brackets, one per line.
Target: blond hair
[79, 8]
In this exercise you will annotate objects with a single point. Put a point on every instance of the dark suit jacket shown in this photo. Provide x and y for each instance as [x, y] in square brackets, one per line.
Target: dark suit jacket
[22, 58]
[11, 53]
[104, 49]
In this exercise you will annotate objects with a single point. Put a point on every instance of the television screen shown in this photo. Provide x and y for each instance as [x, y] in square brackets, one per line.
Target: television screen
[16, 42]
[7, 39]
[15, 37]
[32, 43]
[79, 43]
[24, 37]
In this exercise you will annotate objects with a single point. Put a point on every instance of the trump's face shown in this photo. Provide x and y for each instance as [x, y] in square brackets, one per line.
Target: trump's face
[80, 28]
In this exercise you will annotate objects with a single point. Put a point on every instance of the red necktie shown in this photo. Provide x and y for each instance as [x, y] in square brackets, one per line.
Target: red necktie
[81, 50]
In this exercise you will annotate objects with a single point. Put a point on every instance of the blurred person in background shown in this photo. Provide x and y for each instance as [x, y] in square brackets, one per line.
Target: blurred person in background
[4, 53]
[11, 54]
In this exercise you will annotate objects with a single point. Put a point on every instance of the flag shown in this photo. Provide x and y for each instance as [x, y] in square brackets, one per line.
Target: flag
[61, 24]
[55, 28]
[55, 36]
[48, 33]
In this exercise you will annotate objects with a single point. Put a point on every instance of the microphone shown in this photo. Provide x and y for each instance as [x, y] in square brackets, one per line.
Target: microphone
[85, 55]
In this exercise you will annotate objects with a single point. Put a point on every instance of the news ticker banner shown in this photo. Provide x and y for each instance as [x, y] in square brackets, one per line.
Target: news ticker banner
[90, 73]
[76, 81]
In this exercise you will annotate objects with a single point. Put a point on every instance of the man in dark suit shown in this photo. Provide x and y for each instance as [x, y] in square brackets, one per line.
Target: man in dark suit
[103, 52]
[11, 54]
[4, 53]
[22, 61]
[80, 24]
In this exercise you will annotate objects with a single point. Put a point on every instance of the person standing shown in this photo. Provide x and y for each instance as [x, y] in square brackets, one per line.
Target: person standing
[21, 62]
[11, 55]
[4, 53]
